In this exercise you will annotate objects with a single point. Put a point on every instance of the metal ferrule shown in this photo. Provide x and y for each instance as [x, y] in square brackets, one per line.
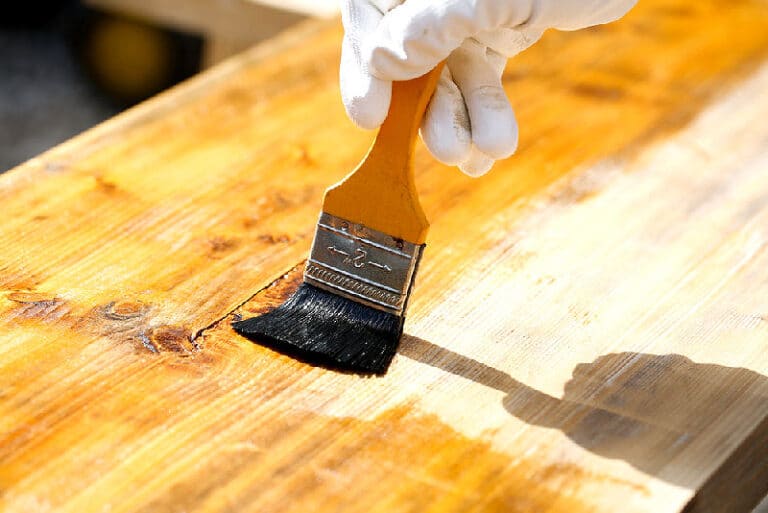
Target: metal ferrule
[362, 264]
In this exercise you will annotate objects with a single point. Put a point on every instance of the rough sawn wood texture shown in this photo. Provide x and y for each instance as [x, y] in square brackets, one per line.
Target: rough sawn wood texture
[589, 329]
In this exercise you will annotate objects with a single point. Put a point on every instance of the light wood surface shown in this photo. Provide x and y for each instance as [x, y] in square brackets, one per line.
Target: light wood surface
[320, 8]
[227, 26]
[381, 192]
[587, 333]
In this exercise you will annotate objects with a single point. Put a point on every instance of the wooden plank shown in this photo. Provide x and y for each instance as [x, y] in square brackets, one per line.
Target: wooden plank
[587, 333]
[217, 49]
[321, 8]
[242, 22]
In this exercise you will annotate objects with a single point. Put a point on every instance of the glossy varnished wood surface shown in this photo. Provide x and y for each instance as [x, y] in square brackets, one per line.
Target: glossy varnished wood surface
[588, 331]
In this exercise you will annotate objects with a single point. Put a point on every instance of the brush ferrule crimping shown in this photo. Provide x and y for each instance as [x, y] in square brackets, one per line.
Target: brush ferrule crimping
[364, 265]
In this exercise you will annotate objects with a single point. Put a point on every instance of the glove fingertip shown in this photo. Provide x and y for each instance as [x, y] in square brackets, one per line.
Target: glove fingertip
[498, 141]
[445, 129]
[451, 155]
[476, 170]
[477, 164]
[448, 144]
[366, 99]
[363, 115]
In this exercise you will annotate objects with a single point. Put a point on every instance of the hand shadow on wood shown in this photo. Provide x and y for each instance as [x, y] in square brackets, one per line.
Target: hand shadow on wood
[645, 409]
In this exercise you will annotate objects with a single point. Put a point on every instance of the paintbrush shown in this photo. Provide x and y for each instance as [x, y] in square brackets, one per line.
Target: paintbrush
[348, 313]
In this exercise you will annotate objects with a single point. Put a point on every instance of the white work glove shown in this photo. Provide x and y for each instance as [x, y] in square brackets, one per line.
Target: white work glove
[469, 121]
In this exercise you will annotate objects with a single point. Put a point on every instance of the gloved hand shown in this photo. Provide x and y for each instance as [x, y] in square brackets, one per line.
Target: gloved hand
[469, 121]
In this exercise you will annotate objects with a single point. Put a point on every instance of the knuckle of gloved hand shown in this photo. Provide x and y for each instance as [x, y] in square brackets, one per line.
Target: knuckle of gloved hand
[383, 62]
[402, 59]
[386, 5]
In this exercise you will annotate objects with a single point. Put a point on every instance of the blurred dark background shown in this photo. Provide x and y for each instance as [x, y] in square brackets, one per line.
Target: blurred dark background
[67, 65]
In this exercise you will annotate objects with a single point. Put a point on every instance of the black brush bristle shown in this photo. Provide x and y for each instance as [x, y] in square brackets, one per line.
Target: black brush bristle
[321, 328]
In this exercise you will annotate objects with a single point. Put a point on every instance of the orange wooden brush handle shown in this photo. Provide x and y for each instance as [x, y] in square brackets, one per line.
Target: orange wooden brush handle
[381, 193]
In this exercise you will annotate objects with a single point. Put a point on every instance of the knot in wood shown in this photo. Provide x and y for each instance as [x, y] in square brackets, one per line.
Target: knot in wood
[169, 338]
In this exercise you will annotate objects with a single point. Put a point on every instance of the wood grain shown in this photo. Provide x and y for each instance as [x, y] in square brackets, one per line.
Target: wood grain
[588, 331]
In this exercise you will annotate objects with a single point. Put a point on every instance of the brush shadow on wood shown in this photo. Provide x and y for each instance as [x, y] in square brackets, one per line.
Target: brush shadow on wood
[645, 409]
